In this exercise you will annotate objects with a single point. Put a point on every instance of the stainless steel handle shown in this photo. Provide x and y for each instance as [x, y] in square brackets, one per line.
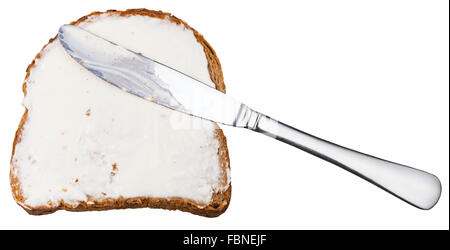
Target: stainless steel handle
[414, 186]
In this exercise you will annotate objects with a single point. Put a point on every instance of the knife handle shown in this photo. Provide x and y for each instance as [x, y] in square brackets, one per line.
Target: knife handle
[414, 186]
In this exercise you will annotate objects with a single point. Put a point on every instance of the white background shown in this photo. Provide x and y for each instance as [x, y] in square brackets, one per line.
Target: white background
[370, 75]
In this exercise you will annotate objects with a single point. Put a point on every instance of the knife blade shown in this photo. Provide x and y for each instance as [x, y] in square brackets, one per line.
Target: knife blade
[158, 83]
[149, 79]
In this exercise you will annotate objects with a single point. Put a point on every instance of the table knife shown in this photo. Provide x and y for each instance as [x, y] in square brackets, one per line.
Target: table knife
[161, 84]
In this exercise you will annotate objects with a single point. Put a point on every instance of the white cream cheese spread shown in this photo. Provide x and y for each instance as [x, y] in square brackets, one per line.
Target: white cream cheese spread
[86, 138]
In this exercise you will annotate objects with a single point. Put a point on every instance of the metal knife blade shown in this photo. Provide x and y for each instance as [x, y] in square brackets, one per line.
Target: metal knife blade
[149, 79]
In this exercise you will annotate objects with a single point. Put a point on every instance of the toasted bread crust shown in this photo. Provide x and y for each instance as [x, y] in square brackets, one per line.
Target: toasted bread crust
[219, 201]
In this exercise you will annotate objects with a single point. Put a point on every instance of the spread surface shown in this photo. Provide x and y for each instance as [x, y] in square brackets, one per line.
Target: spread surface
[85, 138]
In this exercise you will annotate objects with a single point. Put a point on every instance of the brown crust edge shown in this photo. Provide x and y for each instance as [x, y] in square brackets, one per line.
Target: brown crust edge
[220, 200]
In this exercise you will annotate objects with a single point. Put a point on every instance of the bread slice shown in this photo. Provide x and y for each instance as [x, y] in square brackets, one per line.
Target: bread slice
[85, 145]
